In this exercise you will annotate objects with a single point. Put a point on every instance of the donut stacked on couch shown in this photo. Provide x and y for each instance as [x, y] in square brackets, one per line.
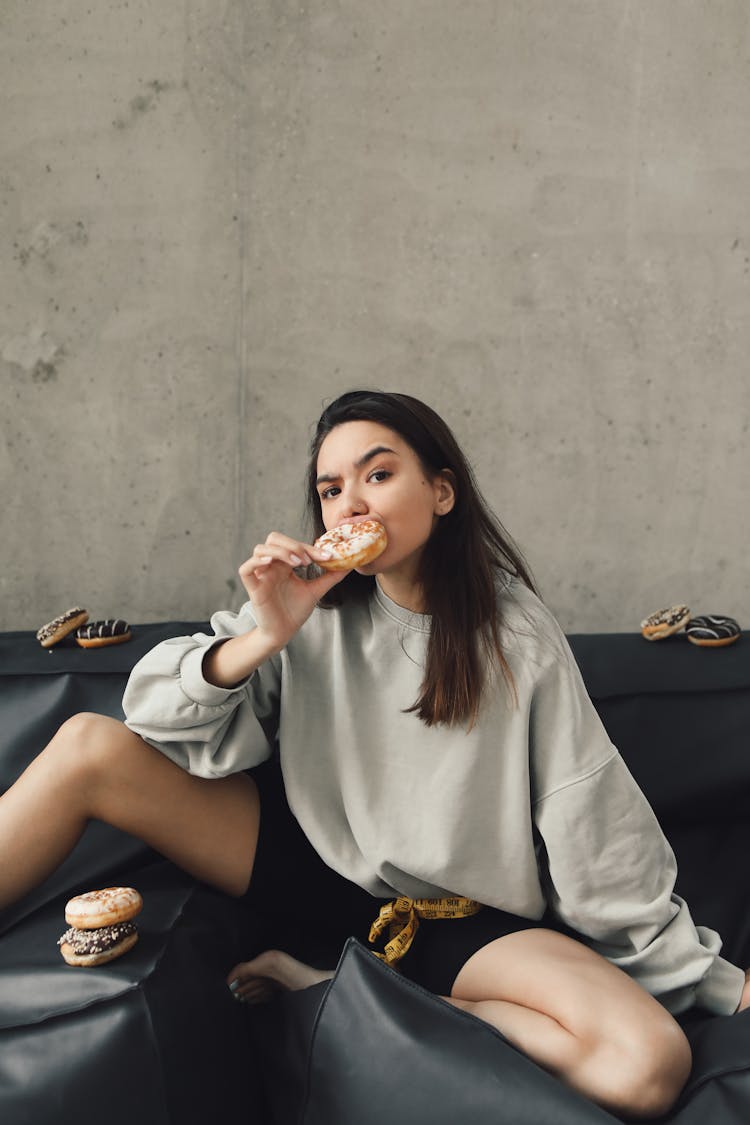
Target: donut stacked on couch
[101, 926]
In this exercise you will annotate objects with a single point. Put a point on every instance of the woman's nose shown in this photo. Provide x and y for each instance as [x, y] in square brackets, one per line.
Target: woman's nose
[353, 504]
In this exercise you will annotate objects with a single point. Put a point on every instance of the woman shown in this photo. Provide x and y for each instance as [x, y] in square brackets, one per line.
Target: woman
[436, 740]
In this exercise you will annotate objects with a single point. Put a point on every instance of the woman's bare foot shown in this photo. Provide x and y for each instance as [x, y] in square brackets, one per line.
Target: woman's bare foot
[257, 980]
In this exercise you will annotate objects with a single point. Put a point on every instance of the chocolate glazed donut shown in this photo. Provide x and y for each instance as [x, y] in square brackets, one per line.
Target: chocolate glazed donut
[712, 631]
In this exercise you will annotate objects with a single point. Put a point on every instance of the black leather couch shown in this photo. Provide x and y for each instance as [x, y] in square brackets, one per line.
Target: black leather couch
[157, 1037]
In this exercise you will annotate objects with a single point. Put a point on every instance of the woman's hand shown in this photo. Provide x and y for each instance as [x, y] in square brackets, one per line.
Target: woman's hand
[257, 980]
[745, 998]
[282, 601]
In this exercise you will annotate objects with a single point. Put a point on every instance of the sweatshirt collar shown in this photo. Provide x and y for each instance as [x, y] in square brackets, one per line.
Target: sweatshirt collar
[419, 621]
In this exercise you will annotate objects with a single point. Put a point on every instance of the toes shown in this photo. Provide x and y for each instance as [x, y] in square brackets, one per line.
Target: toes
[256, 991]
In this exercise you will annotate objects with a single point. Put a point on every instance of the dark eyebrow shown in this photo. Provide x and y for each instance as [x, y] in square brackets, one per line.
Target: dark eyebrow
[330, 478]
[374, 452]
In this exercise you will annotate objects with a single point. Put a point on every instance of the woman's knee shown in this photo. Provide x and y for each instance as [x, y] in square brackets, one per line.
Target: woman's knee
[668, 1069]
[86, 743]
[87, 728]
[647, 1069]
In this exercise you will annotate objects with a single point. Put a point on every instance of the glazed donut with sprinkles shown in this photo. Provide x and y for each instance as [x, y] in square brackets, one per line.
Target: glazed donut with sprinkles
[665, 622]
[352, 544]
[54, 631]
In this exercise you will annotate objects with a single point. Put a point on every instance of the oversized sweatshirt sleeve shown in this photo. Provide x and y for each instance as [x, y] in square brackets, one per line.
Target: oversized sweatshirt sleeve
[208, 730]
[607, 868]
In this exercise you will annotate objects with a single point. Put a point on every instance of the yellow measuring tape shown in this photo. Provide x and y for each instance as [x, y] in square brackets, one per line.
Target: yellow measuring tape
[402, 916]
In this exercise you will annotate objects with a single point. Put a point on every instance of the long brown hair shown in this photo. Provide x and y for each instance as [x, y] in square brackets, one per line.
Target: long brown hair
[467, 552]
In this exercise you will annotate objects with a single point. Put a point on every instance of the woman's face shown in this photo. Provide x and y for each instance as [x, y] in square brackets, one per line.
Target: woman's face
[367, 471]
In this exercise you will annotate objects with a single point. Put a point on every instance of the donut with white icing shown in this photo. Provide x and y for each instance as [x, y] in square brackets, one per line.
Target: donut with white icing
[711, 630]
[94, 909]
[665, 622]
[352, 544]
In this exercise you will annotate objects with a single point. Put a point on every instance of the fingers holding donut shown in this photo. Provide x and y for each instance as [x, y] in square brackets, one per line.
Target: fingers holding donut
[341, 549]
[282, 600]
[278, 548]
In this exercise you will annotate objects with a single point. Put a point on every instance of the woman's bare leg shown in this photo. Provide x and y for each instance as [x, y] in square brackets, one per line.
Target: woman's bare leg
[579, 1017]
[96, 768]
[564, 1006]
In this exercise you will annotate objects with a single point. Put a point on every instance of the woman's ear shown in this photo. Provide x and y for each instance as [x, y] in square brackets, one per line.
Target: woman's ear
[445, 492]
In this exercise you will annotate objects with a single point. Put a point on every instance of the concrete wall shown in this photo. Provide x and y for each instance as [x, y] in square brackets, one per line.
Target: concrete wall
[214, 216]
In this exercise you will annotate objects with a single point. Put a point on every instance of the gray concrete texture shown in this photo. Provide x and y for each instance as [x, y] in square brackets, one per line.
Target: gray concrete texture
[216, 216]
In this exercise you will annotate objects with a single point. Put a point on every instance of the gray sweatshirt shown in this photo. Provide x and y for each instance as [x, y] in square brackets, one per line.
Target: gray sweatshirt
[532, 807]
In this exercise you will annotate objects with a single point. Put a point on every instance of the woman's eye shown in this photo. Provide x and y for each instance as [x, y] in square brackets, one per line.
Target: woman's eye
[327, 493]
[380, 475]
